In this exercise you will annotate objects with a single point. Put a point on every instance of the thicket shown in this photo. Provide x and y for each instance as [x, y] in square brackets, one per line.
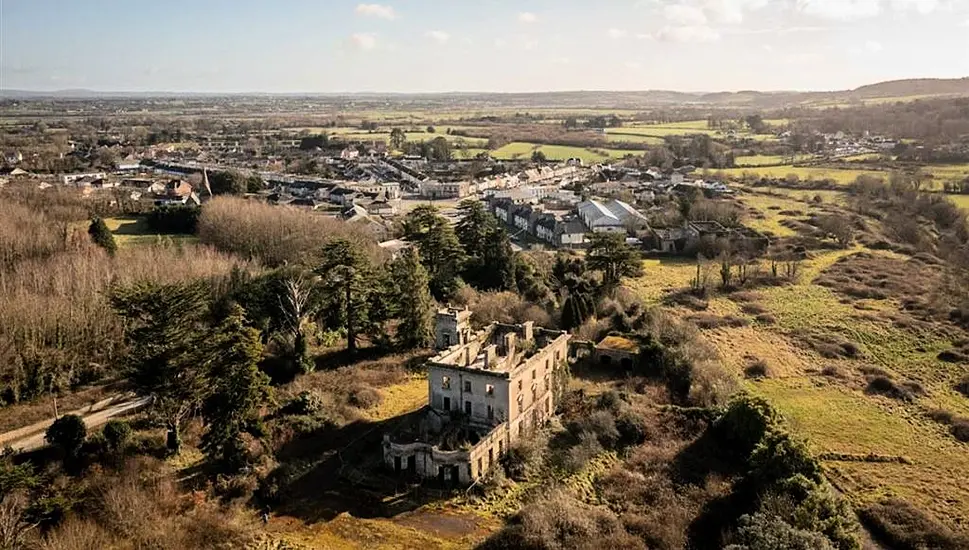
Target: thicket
[697, 478]
[272, 235]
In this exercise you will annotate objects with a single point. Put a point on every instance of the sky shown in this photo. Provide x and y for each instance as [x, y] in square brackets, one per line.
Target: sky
[327, 46]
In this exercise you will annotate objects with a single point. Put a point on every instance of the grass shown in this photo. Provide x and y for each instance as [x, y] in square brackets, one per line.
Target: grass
[618, 136]
[521, 149]
[771, 208]
[843, 177]
[962, 201]
[134, 231]
[768, 160]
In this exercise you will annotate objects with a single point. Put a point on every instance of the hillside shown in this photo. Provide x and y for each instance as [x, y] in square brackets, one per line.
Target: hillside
[914, 86]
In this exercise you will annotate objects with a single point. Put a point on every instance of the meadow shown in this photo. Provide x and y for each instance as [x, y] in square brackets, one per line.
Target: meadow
[521, 149]
[840, 176]
[769, 160]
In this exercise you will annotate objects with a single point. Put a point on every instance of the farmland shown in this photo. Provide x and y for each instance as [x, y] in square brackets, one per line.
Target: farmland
[524, 150]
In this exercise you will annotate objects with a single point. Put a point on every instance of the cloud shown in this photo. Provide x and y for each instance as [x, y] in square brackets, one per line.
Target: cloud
[684, 15]
[562, 61]
[616, 33]
[873, 46]
[527, 17]
[440, 37]
[500, 42]
[687, 33]
[363, 41]
[633, 65]
[376, 10]
[841, 9]
[645, 36]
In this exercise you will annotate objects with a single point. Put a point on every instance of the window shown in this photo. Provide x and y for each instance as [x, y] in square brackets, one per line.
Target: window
[533, 374]
[491, 457]
[534, 395]
[520, 404]
[548, 408]
[467, 386]
[519, 385]
[489, 389]
[445, 382]
[501, 447]
[479, 466]
[447, 403]
[467, 408]
[558, 355]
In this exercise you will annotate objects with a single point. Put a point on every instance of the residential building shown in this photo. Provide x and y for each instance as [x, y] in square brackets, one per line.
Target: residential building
[486, 391]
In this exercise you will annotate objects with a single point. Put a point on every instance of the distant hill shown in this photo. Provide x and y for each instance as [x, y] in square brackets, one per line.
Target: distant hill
[917, 88]
[914, 87]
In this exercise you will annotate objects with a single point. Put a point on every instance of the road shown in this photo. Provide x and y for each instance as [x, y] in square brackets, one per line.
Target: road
[31, 437]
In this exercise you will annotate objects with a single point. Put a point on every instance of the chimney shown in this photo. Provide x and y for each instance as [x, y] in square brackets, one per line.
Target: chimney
[508, 341]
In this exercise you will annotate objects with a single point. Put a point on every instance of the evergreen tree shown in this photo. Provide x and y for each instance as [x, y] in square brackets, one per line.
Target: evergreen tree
[397, 139]
[165, 332]
[498, 262]
[237, 390]
[347, 282]
[414, 303]
[609, 253]
[441, 252]
[474, 227]
[68, 433]
[102, 236]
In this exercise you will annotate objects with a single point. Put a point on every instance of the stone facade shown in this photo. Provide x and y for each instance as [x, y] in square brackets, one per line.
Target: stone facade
[495, 386]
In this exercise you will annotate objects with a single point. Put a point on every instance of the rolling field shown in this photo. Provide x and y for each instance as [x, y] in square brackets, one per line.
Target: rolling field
[633, 138]
[803, 172]
[834, 413]
[521, 149]
[768, 160]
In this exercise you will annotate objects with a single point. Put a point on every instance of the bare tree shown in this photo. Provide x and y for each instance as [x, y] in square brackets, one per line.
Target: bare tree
[14, 528]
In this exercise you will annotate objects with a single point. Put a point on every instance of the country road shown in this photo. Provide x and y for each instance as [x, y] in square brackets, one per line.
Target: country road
[31, 437]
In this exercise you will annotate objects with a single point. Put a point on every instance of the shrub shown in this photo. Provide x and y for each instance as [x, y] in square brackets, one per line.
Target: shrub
[365, 397]
[757, 369]
[905, 527]
[67, 433]
[832, 371]
[116, 433]
[962, 386]
[521, 459]
[745, 423]
[778, 457]
[767, 532]
[960, 429]
[307, 402]
[882, 385]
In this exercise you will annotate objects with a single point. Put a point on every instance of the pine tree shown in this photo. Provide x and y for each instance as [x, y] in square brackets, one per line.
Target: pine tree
[237, 390]
[609, 253]
[165, 335]
[414, 303]
[347, 281]
[102, 236]
[441, 252]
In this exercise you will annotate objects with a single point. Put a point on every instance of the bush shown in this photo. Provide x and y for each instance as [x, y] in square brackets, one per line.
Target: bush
[882, 385]
[116, 433]
[67, 433]
[744, 425]
[963, 386]
[365, 397]
[757, 369]
[767, 532]
[905, 527]
[306, 403]
[779, 457]
[960, 429]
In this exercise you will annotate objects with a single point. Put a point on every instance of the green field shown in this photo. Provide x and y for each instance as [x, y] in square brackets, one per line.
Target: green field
[633, 138]
[521, 149]
[844, 177]
[134, 231]
[768, 160]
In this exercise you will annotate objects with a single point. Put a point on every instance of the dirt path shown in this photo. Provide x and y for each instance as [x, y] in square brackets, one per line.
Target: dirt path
[31, 437]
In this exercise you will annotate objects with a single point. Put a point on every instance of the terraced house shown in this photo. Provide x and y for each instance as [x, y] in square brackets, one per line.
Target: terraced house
[486, 390]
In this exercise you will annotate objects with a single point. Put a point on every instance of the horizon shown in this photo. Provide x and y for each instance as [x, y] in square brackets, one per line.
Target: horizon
[424, 47]
[66, 91]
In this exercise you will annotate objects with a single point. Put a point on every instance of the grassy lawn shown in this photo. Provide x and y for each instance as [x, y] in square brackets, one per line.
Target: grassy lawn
[962, 201]
[134, 231]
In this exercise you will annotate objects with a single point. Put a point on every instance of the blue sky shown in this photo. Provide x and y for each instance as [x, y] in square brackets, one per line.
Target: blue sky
[483, 45]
